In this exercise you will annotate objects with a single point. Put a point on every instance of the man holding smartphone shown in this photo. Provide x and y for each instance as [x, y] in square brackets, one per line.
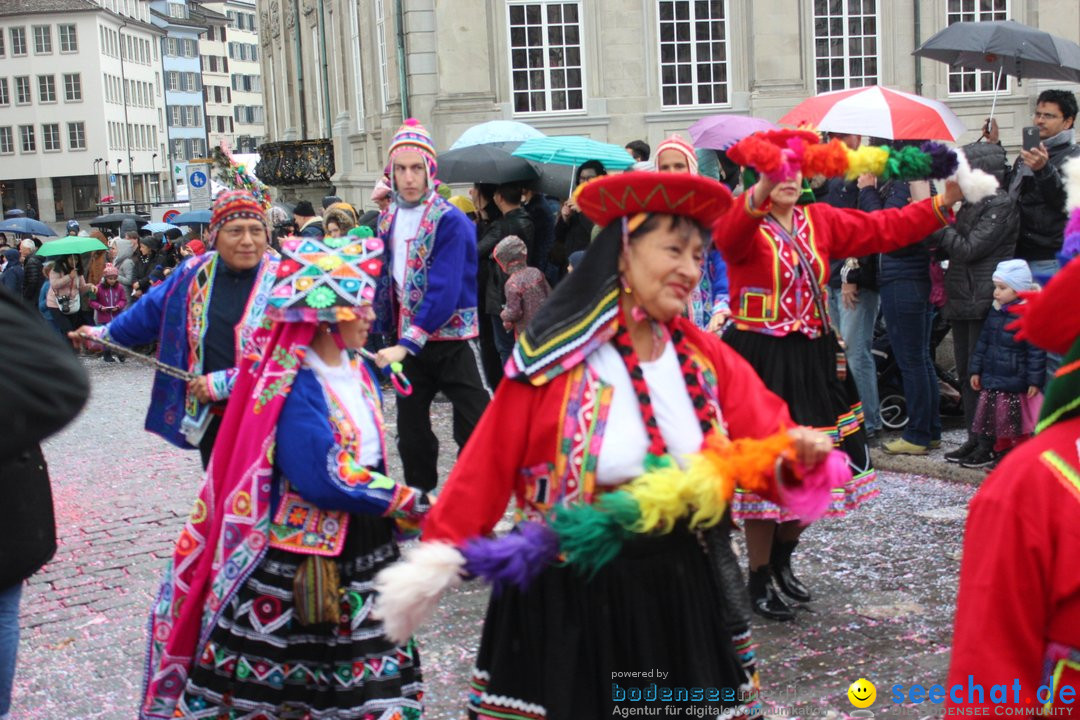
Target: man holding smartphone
[1036, 181]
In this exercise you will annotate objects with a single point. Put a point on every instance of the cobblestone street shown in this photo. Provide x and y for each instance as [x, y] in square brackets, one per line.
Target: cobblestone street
[883, 579]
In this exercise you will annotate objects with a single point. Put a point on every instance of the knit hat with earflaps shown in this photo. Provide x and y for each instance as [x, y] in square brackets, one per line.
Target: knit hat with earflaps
[414, 136]
[235, 205]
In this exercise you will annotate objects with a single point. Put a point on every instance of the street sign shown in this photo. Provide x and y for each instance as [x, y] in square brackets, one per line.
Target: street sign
[169, 215]
[198, 180]
[112, 178]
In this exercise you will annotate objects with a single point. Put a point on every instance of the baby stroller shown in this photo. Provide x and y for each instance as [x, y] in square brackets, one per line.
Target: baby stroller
[892, 404]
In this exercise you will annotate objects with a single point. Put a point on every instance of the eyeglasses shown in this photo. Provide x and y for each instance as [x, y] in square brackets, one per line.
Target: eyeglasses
[1047, 116]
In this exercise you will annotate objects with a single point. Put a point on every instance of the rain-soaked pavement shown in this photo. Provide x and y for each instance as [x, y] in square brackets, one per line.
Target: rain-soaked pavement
[883, 579]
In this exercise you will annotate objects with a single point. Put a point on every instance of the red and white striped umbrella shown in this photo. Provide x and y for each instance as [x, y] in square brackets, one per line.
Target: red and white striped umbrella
[876, 111]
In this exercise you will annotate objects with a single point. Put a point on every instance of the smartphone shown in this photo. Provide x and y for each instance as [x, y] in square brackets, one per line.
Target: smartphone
[1031, 138]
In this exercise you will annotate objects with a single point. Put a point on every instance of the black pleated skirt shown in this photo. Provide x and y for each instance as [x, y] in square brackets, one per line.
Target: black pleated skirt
[803, 372]
[262, 663]
[649, 623]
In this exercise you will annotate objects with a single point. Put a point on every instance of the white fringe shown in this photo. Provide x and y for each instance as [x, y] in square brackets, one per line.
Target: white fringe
[976, 184]
[409, 590]
[1071, 170]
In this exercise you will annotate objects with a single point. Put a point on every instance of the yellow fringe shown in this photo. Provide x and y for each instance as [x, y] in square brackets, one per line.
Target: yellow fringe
[867, 159]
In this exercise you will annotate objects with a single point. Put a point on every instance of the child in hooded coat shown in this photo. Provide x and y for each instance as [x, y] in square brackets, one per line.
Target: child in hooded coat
[526, 288]
[109, 299]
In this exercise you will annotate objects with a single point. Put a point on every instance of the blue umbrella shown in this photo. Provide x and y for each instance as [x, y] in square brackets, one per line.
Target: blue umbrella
[574, 150]
[162, 227]
[15, 213]
[192, 217]
[496, 131]
[26, 226]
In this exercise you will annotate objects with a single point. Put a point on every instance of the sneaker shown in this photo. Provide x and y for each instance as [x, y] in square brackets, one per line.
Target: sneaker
[961, 453]
[935, 444]
[121, 358]
[108, 358]
[981, 458]
[900, 446]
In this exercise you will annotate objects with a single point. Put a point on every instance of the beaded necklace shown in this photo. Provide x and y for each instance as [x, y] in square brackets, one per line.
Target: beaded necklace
[705, 412]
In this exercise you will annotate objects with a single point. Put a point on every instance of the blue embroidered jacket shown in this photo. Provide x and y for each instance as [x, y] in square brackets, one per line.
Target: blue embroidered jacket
[438, 300]
[163, 315]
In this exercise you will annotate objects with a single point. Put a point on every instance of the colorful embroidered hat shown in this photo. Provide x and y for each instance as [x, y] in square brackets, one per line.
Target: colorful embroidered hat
[680, 146]
[608, 198]
[324, 280]
[414, 136]
[234, 205]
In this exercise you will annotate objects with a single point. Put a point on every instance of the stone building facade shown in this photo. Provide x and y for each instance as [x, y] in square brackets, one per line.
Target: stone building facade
[614, 70]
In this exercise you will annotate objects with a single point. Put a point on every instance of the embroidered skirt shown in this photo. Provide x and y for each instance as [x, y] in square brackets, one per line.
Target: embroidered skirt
[650, 622]
[803, 372]
[261, 664]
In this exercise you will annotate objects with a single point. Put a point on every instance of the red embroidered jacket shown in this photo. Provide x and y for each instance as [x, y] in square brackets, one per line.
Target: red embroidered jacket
[1018, 613]
[541, 443]
[769, 292]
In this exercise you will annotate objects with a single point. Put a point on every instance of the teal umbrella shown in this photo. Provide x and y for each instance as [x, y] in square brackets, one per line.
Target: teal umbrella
[70, 246]
[574, 150]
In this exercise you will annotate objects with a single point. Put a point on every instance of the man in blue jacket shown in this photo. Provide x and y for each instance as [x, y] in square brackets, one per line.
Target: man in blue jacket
[429, 298]
[203, 317]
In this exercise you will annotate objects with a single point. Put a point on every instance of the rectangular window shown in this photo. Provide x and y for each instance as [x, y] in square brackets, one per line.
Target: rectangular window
[845, 44]
[198, 148]
[42, 39]
[50, 137]
[7, 141]
[72, 87]
[26, 136]
[5, 98]
[18, 41]
[381, 53]
[545, 56]
[2, 52]
[964, 81]
[69, 40]
[76, 136]
[22, 90]
[693, 52]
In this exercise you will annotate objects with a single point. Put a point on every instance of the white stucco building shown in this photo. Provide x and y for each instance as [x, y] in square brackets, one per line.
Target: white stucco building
[340, 74]
[67, 136]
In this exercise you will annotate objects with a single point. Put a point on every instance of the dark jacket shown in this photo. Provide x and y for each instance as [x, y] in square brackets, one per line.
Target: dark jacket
[543, 220]
[1000, 361]
[983, 235]
[846, 194]
[313, 230]
[515, 222]
[43, 386]
[1042, 205]
[12, 277]
[907, 263]
[33, 277]
[570, 236]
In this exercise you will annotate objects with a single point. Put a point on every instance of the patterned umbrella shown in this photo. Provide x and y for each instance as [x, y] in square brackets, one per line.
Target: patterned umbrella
[878, 112]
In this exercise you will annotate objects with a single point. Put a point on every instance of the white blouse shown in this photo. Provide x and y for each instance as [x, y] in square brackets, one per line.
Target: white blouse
[625, 441]
[346, 386]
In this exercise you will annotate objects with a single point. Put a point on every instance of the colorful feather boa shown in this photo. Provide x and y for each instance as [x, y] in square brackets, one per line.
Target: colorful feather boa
[587, 536]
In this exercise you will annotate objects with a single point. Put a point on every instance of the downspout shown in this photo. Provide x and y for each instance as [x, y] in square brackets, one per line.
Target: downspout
[403, 75]
[918, 43]
[300, 72]
[127, 138]
[325, 71]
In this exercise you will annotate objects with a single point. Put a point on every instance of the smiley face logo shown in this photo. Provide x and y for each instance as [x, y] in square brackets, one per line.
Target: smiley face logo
[862, 693]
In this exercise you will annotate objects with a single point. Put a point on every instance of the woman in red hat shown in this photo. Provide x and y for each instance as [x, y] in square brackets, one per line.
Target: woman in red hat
[609, 383]
[778, 255]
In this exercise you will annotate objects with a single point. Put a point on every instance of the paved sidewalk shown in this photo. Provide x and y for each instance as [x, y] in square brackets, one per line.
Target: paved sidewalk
[884, 579]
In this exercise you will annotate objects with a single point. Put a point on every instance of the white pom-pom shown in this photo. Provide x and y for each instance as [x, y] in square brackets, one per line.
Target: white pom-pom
[1071, 170]
[409, 590]
[976, 184]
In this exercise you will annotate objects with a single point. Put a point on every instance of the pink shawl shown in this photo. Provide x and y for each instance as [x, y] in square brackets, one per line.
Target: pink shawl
[226, 534]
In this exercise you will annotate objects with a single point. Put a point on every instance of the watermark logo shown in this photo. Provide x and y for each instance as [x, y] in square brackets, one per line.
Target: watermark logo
[862, 693]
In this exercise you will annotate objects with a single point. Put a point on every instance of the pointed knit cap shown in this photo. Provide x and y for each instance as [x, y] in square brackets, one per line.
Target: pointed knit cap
[414, 136]
[679, 145]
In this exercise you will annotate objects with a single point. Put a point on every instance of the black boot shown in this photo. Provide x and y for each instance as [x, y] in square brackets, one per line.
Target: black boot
[963, 452]
[764, 599]
[780, 562]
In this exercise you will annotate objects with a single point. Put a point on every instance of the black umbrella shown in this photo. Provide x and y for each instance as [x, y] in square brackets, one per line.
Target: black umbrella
[114, 220]
[1005, 46]
[484, 164]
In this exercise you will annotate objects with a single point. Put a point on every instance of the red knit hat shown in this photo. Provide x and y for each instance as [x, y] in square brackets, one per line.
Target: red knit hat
[196, 246]
[611, 197]
[234, 205]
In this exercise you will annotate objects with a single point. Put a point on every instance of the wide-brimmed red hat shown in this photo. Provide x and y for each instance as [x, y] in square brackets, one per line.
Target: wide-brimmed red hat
[610, 197]
[1047, 318]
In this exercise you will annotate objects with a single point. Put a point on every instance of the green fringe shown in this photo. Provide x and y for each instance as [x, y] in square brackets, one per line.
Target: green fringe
[591, 536]
[908, 163]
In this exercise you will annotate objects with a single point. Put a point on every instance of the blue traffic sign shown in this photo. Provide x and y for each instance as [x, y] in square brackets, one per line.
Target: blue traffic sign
[112, 178]
[198, 179]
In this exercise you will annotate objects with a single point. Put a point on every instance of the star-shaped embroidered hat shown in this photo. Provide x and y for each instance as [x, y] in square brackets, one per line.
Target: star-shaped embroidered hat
[611, 197]
[325, 280]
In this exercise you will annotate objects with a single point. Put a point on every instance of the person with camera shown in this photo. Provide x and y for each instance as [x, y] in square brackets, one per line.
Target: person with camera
[66, 288]
[1036, 180]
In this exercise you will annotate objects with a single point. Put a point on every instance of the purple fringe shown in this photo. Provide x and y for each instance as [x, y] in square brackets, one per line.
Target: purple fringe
[1071, 247]
[517, 558]
[943, 162]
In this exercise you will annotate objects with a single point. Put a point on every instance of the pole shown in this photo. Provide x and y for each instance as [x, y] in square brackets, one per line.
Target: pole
[403, 74]
[127, 127]
[997, 90]
[325, 71]
[300, 72]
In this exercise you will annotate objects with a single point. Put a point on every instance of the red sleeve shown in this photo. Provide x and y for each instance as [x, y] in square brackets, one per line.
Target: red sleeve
[854, 233]
[1003, 605]
[475, 495]
[735, 232]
